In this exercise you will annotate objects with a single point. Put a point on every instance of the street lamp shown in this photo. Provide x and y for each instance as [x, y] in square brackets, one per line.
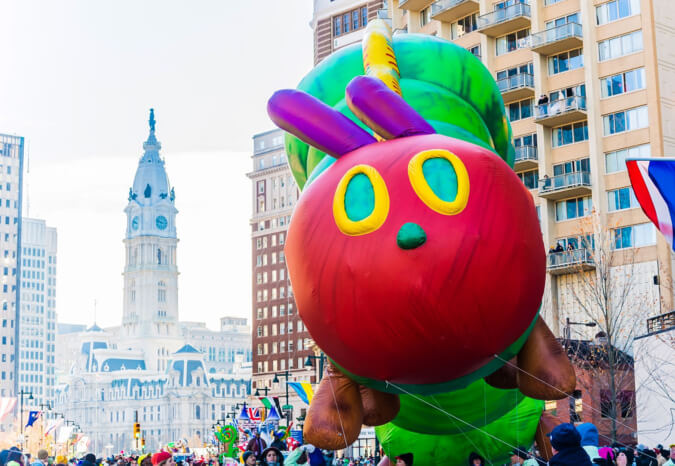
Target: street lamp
[568, 327]
[23, 393]
[286, 375]
[321, 358]
[257, 391]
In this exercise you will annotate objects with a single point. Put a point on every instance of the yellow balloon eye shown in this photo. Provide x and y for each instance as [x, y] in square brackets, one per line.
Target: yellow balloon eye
[361, 201]
[440, 180]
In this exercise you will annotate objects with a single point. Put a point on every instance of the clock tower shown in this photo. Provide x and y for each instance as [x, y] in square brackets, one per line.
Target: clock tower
[150, 315]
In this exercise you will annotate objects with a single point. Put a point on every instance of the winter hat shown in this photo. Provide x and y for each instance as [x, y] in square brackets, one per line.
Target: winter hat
[14, 455]
[61, 459]
[90, 457]
[246, 455]
[159, 457]
[565, 436]
[407, 458]
[606, 453]
[475, 456]
[589, 434]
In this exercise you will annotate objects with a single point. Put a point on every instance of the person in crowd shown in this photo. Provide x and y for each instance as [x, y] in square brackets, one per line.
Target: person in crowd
[406, 459]
[272, 456]
[606, 456]
[475, 459]
[60, 460]
[278, 443]
[256, 444]
[521, 456]
[559, 248]
[42, 458]
[567, 450]
[588, 431]
[622, 459]
[163, 458]
[645, 456]
[671, 459]
[249, 458]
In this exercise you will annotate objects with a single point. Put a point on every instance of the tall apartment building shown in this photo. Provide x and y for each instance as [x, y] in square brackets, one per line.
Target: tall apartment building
[603, 67]
[338, 23]
[280, 340]
[38, 311]
[11, 191]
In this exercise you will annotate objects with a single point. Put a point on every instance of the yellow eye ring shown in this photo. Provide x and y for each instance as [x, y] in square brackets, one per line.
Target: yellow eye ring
[426, 194]
[380, 208]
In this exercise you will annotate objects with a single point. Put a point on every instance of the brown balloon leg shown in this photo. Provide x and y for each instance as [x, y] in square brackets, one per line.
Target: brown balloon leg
[378, 407]
[545, 370]
[547, 423]
[506, 377]
[335, 415]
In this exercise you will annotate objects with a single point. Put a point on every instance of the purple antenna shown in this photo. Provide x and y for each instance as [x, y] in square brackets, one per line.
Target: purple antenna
[383, 110]
[316, 123]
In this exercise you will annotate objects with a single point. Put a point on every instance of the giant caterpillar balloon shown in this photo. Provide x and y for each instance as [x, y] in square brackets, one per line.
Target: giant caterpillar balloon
[415, 254]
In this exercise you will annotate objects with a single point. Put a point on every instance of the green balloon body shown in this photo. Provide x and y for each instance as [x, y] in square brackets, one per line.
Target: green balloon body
[458, 96]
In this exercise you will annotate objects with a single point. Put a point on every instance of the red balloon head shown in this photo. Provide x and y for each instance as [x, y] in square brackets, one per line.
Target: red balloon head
[416, 260]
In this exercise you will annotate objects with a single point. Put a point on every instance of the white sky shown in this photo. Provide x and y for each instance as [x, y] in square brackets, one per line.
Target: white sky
[77, 79]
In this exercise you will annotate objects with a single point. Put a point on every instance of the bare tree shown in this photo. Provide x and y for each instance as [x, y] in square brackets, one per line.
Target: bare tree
[607, 288]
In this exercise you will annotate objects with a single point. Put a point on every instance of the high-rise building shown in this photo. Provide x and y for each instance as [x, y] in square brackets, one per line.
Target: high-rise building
[337, 24]
[38, 311]
[11, 192]
[280, 340]
[585, 85]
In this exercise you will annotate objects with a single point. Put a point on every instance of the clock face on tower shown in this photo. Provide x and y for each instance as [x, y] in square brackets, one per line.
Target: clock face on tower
[161, 222]
[134, 223]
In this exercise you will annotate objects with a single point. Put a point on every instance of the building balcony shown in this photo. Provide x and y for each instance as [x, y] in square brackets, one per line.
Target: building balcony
[558, 39]
[505, 20]
[576, 260]
[517, 87]
[561, 112]
[526, 158]
[661, 323]
[564, 186]
[414, 5]
[383, 14]
[452, 10]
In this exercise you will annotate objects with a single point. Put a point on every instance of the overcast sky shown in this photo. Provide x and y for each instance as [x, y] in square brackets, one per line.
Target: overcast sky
[77, 79]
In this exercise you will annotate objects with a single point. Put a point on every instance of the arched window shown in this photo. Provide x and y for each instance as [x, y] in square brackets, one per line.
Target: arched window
[132, 291]
[161, 292]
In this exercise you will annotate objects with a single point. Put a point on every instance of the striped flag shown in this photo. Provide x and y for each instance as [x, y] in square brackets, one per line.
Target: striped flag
[53, 424]
[269, 401]
[304, 390]
[7, 405]
[653, 182]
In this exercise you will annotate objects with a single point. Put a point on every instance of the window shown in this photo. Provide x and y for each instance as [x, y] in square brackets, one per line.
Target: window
[425, 16]
[573, 208]
[551, 2]
[574, 18]
[634, 236]
[566, 61]
[628, 120]
[520, 110]
[529, 178]
[475, 51]
[616, 9]
[346, 24]
[623, 82]
[161, 292]
[574, 166]
[616, 161]
[620, 46]
[527, 68]
[570, 134]
[513, 41]
[350, 21]
[528, 140]
[463, 26]
[620, 199]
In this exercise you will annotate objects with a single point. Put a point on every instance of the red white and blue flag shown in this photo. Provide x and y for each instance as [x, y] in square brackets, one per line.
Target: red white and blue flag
[254, 414]
[654, 186]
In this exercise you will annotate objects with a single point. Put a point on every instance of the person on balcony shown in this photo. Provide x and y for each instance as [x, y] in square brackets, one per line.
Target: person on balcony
[542, 105]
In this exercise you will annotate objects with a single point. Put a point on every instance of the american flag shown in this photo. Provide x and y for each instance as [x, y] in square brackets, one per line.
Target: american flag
[7, 405]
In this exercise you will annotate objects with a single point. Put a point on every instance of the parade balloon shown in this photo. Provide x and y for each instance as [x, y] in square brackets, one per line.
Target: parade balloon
[415, 254]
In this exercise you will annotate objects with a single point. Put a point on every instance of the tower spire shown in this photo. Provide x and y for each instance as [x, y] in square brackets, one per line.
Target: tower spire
[151, 121]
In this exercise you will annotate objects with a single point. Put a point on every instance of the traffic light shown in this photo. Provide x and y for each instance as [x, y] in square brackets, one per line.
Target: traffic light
[137, 430]
[143, 443]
